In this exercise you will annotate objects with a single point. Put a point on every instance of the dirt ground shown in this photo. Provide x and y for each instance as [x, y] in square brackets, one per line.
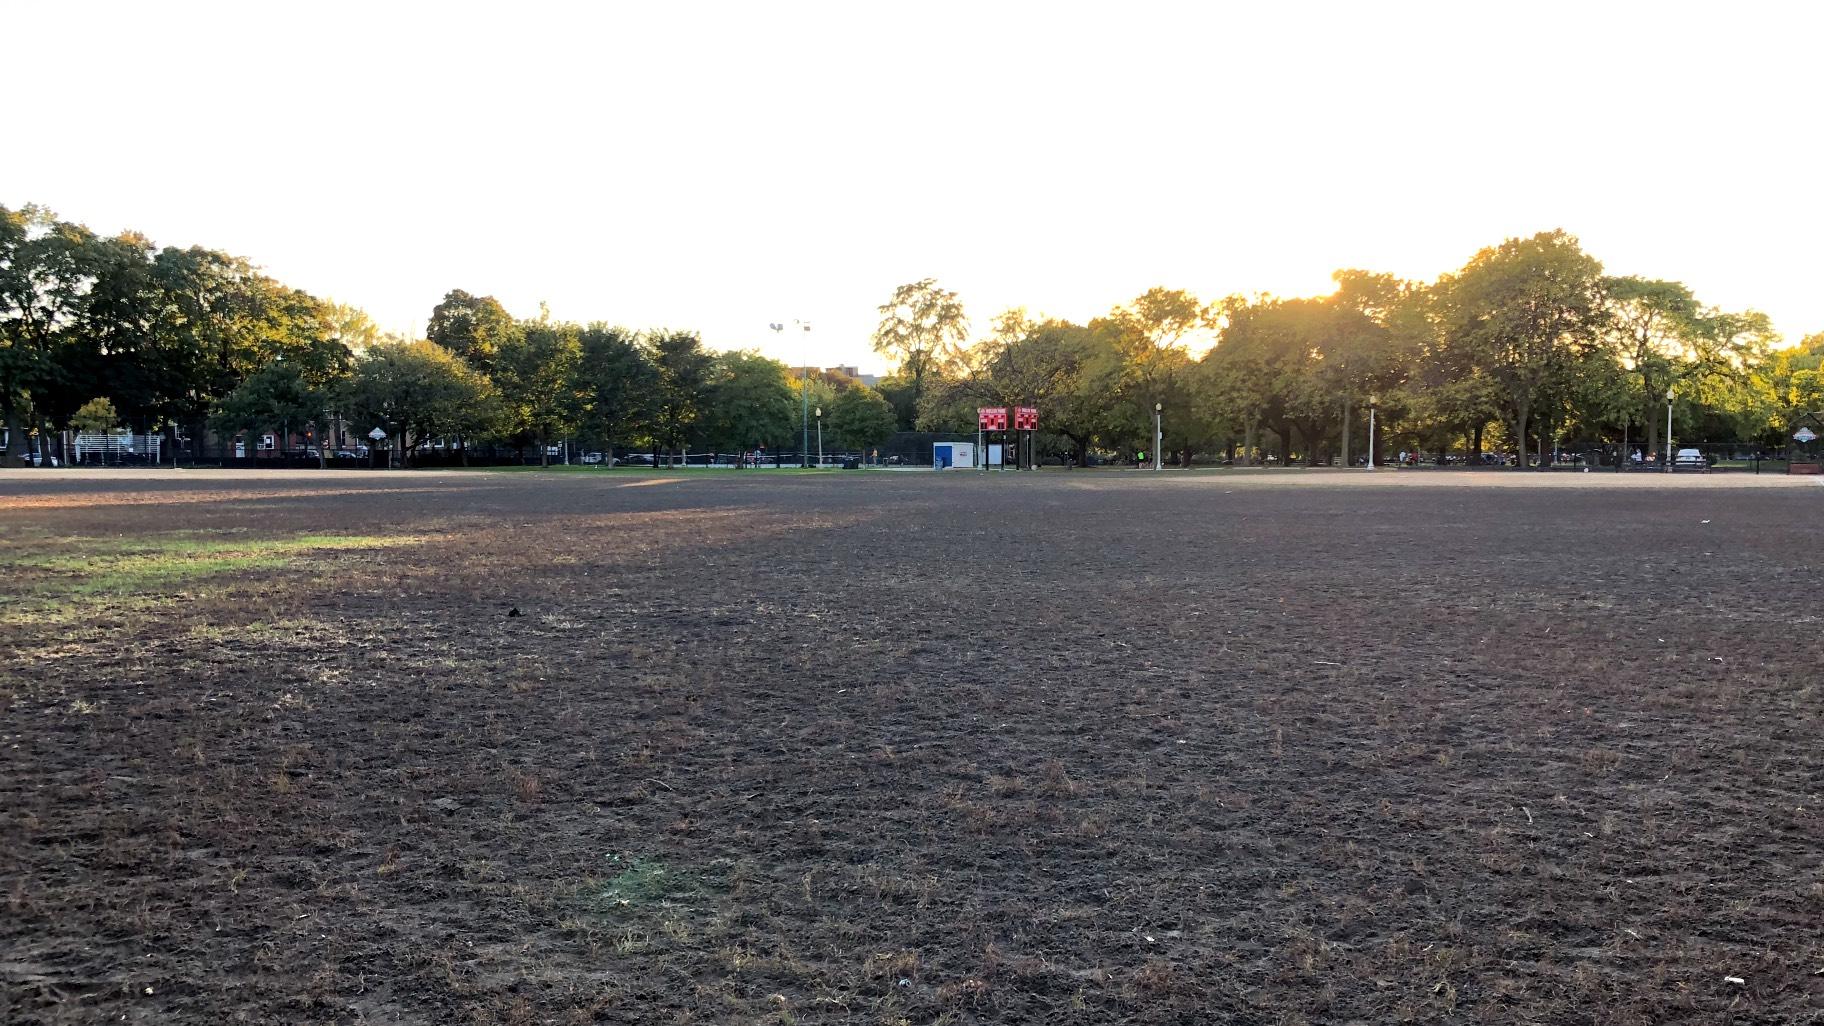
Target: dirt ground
[1068, 747]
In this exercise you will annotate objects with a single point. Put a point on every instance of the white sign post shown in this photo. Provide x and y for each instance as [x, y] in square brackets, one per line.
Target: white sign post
[1804, 435]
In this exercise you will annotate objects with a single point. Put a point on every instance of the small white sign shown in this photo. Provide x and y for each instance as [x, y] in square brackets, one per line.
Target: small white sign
[1804, 434]
[376, 434]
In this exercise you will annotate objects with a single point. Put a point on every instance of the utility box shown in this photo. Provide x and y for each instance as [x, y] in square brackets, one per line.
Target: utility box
[946, 455]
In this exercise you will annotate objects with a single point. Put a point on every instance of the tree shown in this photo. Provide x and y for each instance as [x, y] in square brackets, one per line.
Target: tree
[1270, 366]
[616, 384]
[1524, 311]
[1152, 336]
[349, 325]
[45, 274]
[472, 328]
[418, 391]
[1083, 407]
[901, 393]
[1236, 377]
[97, 416]
[681, 379]
[860, 418]
[1790, 385]
[921, 328]
[182, 327]
[1027, 363]
[1386, 327]
[536, 373]
[278, 395]
[1652, 326]
[747, 404]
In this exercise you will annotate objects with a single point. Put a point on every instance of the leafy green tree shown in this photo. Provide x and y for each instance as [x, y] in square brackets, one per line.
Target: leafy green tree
[921, 328]
[419, 391]
[682, 370]
[859, 418]
[472, 328]
[183, 327]
[1661, 335]
[901, 393]
[1043, 364]
[1386, 329]
[45, 275]
[1236, 378]
[277, 396]
[1789, 385]
[1152, 336]
[1083, 408]
[1522, 312]
[536, 370]
[616, 383]
[1270, 366]
[748, 403]
[97, 416]
[349, 325]
[1579, 403]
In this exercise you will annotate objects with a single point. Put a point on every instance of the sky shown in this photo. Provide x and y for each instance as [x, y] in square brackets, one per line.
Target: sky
[723, 166]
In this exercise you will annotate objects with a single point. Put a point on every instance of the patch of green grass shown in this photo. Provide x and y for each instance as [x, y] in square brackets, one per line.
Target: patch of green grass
[642, 882]
[175, 551]
[1766, 466]
[129, 577]
[55, 577]
[647, 890]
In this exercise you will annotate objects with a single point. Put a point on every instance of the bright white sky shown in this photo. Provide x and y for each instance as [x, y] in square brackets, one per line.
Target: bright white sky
[720, 166]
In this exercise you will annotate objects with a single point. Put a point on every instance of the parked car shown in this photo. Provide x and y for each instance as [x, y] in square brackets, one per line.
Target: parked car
[592, 457]
[34, 458]
[1690, 459]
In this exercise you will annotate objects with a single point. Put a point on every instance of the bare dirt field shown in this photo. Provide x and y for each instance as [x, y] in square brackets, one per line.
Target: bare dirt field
[1069, 747]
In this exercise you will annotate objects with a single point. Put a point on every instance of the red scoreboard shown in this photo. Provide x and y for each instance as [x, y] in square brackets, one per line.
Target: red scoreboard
[1025, 418]
[991, 418]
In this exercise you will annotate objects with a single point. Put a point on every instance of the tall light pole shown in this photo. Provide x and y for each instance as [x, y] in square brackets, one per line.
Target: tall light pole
[1158, 434]
[819, 438]
[1668, 429]
[804, 395]
[1373, 401]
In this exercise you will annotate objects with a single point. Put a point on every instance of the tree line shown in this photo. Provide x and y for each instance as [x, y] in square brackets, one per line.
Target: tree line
[1527, 346]
[97, 332]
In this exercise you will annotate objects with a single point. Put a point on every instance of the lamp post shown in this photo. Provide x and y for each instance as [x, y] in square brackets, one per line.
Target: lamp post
[1668, 429]
[1158, 434]
[819, 438]
[1373, 401]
